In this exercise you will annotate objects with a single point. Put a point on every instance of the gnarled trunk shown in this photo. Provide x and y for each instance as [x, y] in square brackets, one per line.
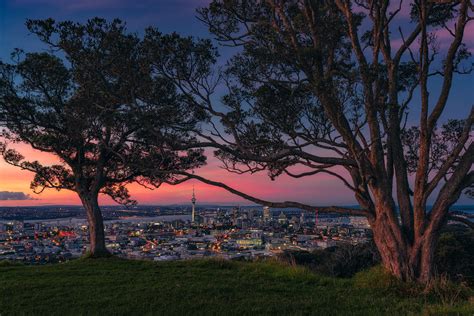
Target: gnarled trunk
[392, 249]
[427, 267]
[97, 246]
[405, 259]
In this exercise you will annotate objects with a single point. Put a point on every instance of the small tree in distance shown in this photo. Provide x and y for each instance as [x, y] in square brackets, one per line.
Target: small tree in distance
[318, 87]
[86, 101]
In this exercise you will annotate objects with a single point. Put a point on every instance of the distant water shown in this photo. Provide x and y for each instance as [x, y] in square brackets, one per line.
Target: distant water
[169, 218]
[464, 208]
[160, 218]
[74, 220]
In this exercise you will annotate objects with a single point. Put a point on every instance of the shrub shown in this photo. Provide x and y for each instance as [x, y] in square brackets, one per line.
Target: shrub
[455, 254]
[344, 260]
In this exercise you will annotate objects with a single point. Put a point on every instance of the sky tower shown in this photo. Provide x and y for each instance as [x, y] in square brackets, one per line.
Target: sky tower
[193, 200]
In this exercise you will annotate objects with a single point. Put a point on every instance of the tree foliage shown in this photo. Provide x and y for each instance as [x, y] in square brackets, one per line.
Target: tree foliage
[87, 100]
[320, 87]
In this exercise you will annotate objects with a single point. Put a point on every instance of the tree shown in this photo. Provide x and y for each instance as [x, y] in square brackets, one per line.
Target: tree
[86, 101]
[321, 87]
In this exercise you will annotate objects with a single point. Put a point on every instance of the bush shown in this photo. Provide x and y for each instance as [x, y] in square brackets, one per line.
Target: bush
[346, 260]
[455, 254]
[341, 261]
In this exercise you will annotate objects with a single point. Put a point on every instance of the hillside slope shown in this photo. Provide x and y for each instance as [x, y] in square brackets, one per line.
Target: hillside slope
[114, 286]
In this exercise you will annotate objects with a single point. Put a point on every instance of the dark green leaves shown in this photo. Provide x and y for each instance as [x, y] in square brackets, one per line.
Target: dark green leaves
[95, 101]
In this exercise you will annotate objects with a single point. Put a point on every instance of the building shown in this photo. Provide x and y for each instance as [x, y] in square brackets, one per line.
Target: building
[267, 214]
[193, 213]
[302, 218]
[282, 219]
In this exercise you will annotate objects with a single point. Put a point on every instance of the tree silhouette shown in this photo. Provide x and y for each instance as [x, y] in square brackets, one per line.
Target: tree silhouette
[86, 101]
[321, 86]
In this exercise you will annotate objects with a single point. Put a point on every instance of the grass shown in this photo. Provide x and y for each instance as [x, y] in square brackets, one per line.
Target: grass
[202, 287]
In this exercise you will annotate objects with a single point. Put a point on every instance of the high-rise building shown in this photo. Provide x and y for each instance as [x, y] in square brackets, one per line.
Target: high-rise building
[282, 219]
[235, 215]
[267, 215]
[302, 217]
[193, 201]
[250, 214]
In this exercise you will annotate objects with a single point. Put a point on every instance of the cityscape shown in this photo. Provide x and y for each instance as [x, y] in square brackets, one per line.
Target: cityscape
[175, 233]
[41, 235]
[236, 157]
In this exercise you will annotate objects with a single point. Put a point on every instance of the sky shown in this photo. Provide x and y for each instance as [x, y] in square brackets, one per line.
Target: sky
[168, 16]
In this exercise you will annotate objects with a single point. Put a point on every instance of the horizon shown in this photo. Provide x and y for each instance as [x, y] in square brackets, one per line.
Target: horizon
[204, 205]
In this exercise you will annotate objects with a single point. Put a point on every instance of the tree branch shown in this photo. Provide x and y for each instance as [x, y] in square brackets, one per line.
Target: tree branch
[461, 219]
[285, 204]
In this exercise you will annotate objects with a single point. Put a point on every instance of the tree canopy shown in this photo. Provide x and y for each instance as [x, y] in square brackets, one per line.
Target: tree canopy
[87, 100]
[320, 87]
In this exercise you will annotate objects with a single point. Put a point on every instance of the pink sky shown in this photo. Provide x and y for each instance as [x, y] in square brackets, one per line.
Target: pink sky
[321, 189]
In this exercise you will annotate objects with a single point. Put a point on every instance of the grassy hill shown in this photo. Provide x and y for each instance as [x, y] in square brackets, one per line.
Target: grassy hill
[114, 286]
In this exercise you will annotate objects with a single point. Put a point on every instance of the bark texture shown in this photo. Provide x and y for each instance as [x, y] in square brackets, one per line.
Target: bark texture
[97, 246]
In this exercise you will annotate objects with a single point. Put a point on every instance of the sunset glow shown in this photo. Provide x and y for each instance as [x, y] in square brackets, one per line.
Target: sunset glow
[322, 188]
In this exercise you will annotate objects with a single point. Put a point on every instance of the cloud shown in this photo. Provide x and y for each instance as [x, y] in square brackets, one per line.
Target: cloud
[14, 196]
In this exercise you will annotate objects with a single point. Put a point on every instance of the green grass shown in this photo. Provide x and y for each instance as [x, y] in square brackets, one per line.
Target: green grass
[206, 287]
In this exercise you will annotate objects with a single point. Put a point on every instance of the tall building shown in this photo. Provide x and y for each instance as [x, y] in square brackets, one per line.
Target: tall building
[250, 214]
[267, 215]
[193, 200]
[282, 219]
[235, 215]
[302, 217]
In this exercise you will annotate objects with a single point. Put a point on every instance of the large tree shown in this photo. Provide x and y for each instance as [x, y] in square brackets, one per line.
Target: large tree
[326, 87]
[86, 101]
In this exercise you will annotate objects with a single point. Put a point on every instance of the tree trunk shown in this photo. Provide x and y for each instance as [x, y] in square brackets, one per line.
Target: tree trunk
[97, 246]
[408, 261]
[427, 267]
[393, 250]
